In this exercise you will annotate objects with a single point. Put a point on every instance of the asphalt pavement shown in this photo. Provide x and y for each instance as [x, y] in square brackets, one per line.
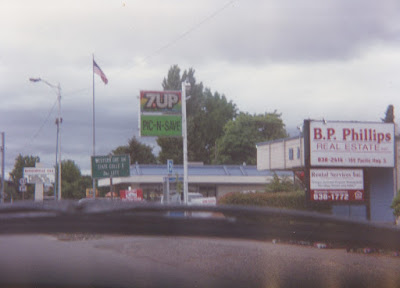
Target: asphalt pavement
[139, 261]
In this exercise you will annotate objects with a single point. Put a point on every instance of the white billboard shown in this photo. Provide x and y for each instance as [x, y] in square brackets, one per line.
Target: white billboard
[351, 144]
[39, 175]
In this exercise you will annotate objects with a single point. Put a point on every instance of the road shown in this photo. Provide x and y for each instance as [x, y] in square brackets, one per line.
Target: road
[132, 261]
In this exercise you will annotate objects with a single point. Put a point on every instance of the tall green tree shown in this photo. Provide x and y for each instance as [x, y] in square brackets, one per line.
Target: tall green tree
[207, 125]
[137, 151]
[18, 172]
[207, 114]
[73, 184]
[171, 147]
[389, 115]
[238, 144]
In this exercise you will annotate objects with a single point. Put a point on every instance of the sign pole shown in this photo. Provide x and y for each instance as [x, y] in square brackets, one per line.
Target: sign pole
[94, 135]
[184, 132]
[111, 189]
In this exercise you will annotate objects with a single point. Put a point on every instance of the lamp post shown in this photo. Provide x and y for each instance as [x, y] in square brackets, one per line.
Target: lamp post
[58, 123]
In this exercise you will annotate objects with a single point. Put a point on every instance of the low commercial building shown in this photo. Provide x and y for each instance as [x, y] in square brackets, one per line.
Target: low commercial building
[210, 180]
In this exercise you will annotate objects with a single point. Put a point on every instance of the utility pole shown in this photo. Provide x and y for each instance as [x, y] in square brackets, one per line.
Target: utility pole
[58, 123]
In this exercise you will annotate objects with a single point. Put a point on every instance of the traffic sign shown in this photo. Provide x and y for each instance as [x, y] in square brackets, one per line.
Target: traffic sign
[170, 166]
[22, 188]
[22, 181]
[110, 166]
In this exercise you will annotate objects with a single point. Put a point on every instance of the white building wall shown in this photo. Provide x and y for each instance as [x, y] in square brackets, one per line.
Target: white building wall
[276, 154]
[284, 154]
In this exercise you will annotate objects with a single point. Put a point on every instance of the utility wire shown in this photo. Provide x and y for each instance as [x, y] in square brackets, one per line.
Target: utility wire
[190, 30]
[41, 126]
[49, 114]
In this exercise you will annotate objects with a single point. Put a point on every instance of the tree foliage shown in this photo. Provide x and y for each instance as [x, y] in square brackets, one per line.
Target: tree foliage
[282, 184]
[396, 205]
[137, 151]
[18, 172]
[73, 184]
[238, 144]
[207, 114]
[389, 115]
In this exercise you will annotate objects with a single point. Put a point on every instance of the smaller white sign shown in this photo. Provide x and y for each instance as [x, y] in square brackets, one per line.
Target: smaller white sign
[336, 179]
[336, 185]
[39, 175]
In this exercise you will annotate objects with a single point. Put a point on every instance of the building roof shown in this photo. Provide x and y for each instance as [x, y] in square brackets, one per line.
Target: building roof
[206, 170]
[279, 140]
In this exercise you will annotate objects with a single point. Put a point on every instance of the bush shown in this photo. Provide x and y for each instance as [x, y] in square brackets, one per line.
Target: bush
[282, 184]
[290, 200]
[396, 205]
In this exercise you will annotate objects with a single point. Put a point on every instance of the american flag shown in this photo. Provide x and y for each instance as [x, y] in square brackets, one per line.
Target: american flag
[98, 71]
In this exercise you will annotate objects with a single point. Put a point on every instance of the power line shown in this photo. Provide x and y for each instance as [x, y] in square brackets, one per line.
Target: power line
[190, 30]
[41, 126]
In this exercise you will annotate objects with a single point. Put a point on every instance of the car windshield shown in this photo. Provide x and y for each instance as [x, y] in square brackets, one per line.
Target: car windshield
[224, 143]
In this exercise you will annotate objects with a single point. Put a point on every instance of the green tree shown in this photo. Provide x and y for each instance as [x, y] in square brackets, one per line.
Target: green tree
[389, 115]
[207, 125]
[137, 151]
[396, 205]
[207, 114]
[18, 172]
[171, 148]
[72, 184]
[238, 144]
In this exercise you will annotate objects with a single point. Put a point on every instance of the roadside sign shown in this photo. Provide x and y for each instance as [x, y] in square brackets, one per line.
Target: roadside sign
[89, 193]
[110, 166]
[170, 166]
[161, 125]
[342, 185]
[22, 188]
[161, 101]
[39, 175]
[22, 181]
[350, 144]
[134, 195]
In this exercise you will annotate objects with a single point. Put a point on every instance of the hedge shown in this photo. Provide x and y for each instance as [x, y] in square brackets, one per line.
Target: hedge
[289, 200]
[396, 205]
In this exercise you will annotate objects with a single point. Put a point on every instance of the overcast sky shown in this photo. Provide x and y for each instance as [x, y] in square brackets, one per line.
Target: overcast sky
[332, 59]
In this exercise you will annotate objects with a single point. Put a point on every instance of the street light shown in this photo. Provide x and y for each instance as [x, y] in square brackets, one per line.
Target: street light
[58, 123]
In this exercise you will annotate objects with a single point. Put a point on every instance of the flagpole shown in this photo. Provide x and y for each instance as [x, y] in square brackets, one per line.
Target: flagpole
[94, 131]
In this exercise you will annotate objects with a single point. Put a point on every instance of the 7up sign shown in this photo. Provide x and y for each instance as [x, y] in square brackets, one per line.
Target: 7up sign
[161, 101]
